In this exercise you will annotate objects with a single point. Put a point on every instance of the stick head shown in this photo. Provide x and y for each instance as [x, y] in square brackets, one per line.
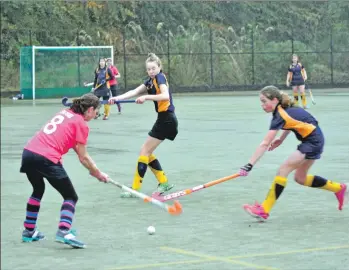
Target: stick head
[64, 101]
[175, 209]
[147, 199]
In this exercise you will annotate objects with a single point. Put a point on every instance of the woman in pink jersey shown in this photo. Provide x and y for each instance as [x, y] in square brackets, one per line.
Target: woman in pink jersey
[42, 158]
[114, 88]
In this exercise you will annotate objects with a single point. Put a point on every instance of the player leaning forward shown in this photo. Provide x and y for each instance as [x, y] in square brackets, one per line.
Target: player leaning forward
[42, 158]
[288, 117]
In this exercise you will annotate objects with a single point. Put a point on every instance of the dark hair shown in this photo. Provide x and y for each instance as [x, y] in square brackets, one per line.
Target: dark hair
[80, 105]
[272, 92]
[105, 60]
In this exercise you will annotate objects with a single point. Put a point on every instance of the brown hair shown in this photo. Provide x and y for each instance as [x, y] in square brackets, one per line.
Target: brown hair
[152, 57]
[272, 92]
[80, 105]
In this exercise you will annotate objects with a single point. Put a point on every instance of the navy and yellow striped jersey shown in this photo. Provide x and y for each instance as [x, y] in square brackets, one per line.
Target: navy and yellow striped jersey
[296, 119]
[296, 72]
[153, 88]
[103, 75]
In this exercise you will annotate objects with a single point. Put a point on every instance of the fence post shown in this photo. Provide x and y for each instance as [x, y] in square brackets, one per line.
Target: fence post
[78, 44]
[168, 56]
[30, 38]
[292, 40]
[211, 57]
[331, 47]
[124, 49]
[252, 51]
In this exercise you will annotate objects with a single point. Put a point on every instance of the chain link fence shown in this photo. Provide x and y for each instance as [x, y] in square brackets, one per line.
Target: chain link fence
[212, 57]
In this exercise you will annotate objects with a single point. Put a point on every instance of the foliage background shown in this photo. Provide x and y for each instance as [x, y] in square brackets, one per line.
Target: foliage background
[212, 44]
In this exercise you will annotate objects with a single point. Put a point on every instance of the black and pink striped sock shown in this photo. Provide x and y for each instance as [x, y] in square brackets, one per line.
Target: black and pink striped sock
[67, 215]
[33, 207]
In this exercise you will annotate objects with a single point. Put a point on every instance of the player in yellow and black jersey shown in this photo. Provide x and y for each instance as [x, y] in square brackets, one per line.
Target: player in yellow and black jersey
[291, 118]
[296, 76]
[101, 87]
[165, 127]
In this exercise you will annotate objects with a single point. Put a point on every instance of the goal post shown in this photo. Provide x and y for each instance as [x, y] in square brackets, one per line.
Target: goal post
[52, 72]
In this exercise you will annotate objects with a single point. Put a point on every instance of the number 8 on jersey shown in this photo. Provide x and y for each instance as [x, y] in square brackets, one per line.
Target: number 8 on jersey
[52, 125]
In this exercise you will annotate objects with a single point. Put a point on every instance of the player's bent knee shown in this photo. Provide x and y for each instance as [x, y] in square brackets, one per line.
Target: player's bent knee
[73, 198]
[38, 193]
[149, 146]
[145, 151]
[284, 170]
[300, 178]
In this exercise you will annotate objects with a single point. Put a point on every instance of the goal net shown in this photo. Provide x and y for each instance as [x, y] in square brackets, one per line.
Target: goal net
[52, 72]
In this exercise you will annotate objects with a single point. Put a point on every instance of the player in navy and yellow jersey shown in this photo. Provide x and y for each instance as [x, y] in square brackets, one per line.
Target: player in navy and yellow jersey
[297, 76]
[101, 87]
[165, 127]
[307, 130]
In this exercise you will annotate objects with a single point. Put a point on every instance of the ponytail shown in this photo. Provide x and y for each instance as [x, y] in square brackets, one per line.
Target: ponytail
[272, 92]
[286, 101]
[82, 104]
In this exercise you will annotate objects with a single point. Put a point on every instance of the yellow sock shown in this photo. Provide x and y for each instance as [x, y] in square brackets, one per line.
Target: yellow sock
[304, 100]
[106, 109]
[295, 96]
[275, 191]
[319, 182]
[142, 165]
[155, 167]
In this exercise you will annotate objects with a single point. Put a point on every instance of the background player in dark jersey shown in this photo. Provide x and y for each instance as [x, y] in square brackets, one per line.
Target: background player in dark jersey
[165, 127]
[297, 76]
[101, 87]
[307, 130]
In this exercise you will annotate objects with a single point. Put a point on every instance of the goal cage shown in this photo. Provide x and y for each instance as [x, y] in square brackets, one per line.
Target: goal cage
[52, 72]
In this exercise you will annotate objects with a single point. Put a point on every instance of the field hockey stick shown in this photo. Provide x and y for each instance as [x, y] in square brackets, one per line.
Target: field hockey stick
[120, 101]
[175, 209]
[158, 196]
[311, 94]
[68, 104]
[88, 84]
[97, 86]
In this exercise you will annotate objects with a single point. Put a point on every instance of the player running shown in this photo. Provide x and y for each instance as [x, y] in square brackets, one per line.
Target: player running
[306, 128]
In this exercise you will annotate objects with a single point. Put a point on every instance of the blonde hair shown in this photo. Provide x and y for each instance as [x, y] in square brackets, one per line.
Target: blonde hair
[152, 57]
[295, 55]
[271, 92]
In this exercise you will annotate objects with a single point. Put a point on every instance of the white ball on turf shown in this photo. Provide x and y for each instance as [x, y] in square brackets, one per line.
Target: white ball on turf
[151, 230]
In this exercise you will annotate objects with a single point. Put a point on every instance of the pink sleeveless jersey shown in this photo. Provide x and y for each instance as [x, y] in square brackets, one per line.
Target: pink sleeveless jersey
[60, 134]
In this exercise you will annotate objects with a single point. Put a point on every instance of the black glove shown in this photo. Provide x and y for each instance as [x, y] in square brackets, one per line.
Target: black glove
[244, 170]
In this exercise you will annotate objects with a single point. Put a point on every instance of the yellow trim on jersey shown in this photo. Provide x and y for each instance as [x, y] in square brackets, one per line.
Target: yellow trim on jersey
[164, 104]
[302, 128]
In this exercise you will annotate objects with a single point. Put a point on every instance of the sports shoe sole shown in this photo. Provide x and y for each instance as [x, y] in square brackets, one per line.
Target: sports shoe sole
[259, 218]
